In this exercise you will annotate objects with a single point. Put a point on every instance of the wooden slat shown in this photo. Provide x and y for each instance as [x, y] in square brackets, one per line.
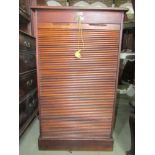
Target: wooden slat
[77, 95]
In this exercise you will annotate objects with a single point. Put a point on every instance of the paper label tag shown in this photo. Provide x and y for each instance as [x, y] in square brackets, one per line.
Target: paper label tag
[78, 54]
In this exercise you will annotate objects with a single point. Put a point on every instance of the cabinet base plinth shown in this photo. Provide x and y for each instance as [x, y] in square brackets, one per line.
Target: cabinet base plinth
[76, 145]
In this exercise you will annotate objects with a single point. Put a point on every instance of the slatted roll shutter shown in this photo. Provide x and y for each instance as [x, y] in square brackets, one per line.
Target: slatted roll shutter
[77, 95]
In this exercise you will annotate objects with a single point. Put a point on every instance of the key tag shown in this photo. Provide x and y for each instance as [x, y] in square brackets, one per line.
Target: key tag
[78, 54]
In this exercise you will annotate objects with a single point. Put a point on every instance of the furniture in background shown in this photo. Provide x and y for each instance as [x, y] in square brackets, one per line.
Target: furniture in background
[127, 62]
[77, 67]
[27, 68]
[132, 128]
[127, 67]
[132, 118]
[128, 38]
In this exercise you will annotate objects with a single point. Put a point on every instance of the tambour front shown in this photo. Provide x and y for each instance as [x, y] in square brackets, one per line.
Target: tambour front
[77, 68]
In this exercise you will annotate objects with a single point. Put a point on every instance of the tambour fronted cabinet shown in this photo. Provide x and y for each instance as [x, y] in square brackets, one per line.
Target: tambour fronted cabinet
[77, 68]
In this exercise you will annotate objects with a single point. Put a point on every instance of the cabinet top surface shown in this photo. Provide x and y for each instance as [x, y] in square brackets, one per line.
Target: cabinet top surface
[78, 8]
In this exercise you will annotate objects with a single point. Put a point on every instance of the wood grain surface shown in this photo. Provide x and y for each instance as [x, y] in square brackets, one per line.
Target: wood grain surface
[77, 95]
